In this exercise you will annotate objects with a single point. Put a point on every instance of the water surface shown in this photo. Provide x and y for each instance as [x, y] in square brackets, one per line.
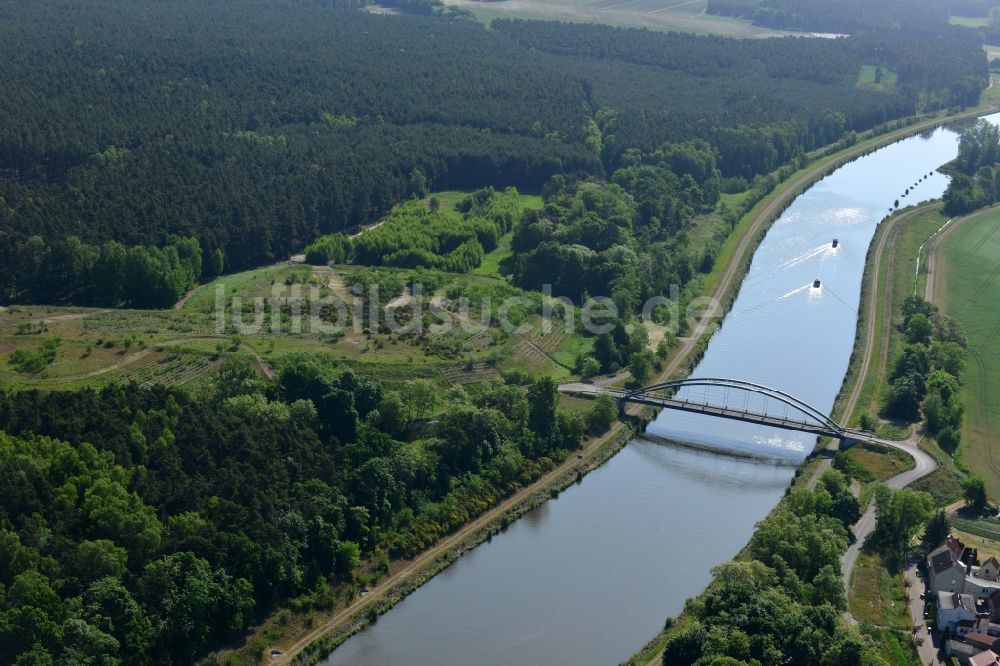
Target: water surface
[591, 576]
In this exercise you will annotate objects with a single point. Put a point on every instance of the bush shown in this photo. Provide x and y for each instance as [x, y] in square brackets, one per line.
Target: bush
[602, 414]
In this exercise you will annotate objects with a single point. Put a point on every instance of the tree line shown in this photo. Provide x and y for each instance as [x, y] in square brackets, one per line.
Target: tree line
[925, 377]
[110, 274]
[145, 524]
[839, 16]
[974, 173]
[783, 601]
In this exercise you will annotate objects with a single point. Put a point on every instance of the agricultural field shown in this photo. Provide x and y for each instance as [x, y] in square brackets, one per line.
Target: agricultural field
[666, 15]
[983, 534]
[985, 528]
[969, 22]
[967, 288]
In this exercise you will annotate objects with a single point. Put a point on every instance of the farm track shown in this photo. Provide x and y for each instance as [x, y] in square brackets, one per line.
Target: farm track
[932, 290]
[135, 357]
[924, 464]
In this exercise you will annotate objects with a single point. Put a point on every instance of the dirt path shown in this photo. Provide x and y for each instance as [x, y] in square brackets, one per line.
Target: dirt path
[889, 237]
[70, 316]
[679, 357]
[890, 269]
[933, 284]
[427, 558]
[134, 357]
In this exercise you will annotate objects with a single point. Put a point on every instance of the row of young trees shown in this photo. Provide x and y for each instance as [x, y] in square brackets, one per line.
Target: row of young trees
[146, 525]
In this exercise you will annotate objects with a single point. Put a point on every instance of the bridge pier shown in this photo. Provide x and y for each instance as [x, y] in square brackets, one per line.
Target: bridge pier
[846, 441]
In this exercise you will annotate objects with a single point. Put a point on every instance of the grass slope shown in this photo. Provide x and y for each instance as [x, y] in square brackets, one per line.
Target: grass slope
[969, 289]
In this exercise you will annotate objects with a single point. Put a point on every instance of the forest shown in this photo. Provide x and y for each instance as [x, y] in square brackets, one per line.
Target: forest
[974, 173]
[147, 525]
[70, 271]
[256, 127]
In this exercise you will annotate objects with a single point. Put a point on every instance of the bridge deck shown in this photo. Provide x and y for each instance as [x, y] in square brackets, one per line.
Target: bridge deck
[736, 415]
[654, 397]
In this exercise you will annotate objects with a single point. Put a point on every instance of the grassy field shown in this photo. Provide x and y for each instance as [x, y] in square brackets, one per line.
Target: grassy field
[896, 647]
[880, 462]
[870, 77]
[876, 595]
[968, 289]
[678, 15]
[969, 22]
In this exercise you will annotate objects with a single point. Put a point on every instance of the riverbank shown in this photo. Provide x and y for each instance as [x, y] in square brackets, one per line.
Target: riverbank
[721, 285]
[849, 393]
[380, 599]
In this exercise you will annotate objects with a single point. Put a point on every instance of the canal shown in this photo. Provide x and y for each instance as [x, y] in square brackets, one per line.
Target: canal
[589, 577]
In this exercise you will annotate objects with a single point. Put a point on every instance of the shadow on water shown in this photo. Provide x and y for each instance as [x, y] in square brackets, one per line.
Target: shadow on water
[591, 576]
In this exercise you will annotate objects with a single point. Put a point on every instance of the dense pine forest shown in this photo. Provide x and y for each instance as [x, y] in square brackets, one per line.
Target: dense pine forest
[255, 127]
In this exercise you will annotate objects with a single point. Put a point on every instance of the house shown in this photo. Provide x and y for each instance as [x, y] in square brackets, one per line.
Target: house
[981, 588]
[960, 651]
[945, 570]
[995, 604]
[960, 612]
[987, 658]
[990, 570]
[982, 641]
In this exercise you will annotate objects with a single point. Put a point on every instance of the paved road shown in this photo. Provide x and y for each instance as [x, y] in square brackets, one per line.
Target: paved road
[924, 465]
[927, 650]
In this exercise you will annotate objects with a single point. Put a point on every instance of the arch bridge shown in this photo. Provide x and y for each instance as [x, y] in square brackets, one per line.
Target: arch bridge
[789, 413]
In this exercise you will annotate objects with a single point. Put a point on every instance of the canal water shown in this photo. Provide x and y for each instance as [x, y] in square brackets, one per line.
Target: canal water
[589, 577]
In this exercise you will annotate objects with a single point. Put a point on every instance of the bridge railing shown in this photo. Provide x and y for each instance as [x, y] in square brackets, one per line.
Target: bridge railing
[671, 387]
